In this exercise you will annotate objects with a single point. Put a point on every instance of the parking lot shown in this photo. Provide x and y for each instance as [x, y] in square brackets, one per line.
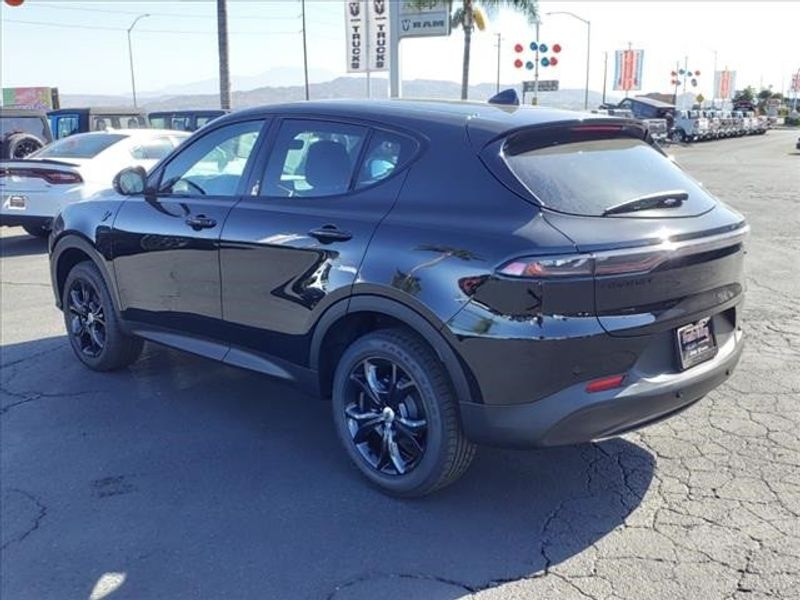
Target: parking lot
[184, 478]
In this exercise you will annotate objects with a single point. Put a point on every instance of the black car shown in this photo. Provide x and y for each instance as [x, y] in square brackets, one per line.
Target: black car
[449, 274]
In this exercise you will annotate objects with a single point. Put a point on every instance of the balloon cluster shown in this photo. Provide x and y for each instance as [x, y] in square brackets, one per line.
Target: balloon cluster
[685, 76]
[545, 61]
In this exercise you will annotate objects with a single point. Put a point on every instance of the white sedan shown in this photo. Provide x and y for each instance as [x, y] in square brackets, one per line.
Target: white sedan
[35, 189]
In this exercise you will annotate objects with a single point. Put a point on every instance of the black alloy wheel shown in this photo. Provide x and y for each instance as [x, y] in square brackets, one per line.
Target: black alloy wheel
[397, 415]
[386, 416]
[93, 328]
[87, 319]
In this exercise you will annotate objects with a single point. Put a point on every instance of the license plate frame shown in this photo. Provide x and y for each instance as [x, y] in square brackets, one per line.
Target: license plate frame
[696, 343]
[17, 202]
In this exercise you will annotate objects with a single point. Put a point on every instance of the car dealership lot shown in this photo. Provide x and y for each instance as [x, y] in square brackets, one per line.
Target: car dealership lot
[180, 477]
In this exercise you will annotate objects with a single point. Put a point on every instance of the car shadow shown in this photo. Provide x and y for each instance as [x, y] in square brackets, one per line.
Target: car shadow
[186, 478]
[22, 245]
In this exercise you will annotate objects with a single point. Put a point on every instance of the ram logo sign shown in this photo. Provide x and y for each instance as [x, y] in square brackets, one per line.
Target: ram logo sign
[367, 24]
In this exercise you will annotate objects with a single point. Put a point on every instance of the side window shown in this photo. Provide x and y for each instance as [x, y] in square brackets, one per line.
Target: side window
[66, 126]
[386, 153]
[311, 159]
[155, 149]
[213, 165]
[158, 122]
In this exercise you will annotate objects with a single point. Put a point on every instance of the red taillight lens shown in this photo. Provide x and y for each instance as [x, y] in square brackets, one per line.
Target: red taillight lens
[577, 265]
[605, 383]
[49, 175]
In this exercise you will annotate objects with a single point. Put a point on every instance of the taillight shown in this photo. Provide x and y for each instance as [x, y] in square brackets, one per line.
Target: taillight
[605, 383]
[49, 175]
[582, 265]
[576, 265]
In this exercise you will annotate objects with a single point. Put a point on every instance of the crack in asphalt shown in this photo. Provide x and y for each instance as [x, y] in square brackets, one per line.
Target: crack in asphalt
[42, 513]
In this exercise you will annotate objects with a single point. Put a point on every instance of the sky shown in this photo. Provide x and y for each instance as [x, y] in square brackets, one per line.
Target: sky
[81, 47]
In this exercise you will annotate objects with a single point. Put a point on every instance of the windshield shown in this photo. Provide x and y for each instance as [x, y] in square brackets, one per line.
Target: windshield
[32, 125]
[588, 177]
[79, 146]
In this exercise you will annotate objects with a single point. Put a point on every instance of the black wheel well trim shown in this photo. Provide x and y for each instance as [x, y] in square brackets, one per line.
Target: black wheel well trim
[464, 383]
[77, 241]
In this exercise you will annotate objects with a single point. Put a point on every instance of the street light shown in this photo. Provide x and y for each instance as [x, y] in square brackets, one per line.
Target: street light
[130, 54]
[588, 48]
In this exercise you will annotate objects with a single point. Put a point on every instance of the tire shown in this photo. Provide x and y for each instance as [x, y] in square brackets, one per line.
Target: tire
[20, 145]
[36, 231]
[85, 294]
[426, 396]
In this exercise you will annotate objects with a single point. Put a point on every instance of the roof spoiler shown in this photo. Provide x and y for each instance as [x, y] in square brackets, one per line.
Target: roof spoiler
[507, 97]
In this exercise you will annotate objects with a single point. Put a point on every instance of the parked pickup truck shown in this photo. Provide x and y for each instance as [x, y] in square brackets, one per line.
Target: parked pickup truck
[691, 126]
[658, 128]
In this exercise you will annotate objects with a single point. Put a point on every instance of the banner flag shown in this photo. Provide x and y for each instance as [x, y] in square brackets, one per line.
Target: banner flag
[367, 35]
[628, 68]
[724, 84]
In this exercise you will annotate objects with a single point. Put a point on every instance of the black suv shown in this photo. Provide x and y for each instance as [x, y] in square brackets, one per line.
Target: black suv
[22, 132]
[448, 273]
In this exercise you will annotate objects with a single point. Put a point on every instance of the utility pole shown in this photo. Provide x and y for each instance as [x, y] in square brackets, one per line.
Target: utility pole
[605, 75]
[305, 46]
[536, 67]
[224, 71]
[499, 41]
[130, 55]
[394, 50]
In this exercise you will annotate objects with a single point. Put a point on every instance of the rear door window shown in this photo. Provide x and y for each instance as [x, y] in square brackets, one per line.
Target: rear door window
[589, 176]
[311, 159]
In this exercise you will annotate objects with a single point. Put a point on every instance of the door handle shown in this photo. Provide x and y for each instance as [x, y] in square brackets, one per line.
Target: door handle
[201, 222]
[330, 233]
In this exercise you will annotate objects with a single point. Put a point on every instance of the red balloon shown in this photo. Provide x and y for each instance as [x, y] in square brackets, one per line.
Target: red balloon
[519, 48]
[674, 82]
[556, 48]
[553, 61]
[14, 2]
[697, 73]
[674, 74]
[518, 63]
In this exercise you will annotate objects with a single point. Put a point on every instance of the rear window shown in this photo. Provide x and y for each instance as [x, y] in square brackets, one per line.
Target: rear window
[31, 125]
[587, 177]
[80, 146]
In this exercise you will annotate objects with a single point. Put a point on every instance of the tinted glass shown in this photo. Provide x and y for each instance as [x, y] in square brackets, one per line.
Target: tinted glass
[33, 125]
[214, 164]
[386, 153]
[153, 149]
[312, 159]
[80, 146]
[588, 177]
[67, 125]
[158, 122]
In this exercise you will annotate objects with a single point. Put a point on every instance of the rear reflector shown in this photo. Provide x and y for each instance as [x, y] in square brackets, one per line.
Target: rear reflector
[605, 383]
[49, 175]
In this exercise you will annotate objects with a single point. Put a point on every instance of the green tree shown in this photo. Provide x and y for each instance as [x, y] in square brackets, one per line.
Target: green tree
[748, 94]
[464, 16]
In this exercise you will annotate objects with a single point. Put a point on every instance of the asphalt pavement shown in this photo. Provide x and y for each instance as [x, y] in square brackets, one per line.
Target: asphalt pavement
[182, 478]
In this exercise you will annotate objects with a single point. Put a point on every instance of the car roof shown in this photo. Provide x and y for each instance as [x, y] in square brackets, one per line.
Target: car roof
[489, 120]
[132, 133]
[22, 112]
[652, 102]
[100, 110]
[189, 111]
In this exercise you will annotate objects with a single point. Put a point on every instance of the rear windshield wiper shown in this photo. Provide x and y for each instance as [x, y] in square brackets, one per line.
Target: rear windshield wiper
[670, 199]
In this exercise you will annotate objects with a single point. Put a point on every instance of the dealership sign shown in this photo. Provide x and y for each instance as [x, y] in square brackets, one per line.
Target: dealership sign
[424, 19]
[628, 66]
[40, 98]
[367, 24]
[543, 85]
[724, 84]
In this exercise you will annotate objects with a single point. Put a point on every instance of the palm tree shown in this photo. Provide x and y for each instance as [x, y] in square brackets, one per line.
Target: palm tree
[464, 17]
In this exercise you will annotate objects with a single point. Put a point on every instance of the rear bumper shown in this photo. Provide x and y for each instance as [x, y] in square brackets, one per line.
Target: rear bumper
[574, 416]
[23, 220]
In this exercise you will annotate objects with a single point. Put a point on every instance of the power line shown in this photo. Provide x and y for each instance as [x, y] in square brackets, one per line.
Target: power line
[160, 14]
[181, 31]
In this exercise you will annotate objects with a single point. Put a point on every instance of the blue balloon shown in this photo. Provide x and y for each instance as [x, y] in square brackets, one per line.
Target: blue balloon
[545, 62]
[543, 48]
[534, 46]
[529, 65]
[682, 71]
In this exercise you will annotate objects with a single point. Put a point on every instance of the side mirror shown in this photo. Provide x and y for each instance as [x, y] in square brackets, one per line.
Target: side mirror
[130, 181]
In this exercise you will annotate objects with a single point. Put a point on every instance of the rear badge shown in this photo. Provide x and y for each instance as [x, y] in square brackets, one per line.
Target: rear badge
[17, 202]
[696, 343]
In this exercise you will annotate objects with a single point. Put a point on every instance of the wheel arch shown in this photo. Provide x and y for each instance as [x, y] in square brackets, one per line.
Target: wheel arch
[353, 317]
[67, 252]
